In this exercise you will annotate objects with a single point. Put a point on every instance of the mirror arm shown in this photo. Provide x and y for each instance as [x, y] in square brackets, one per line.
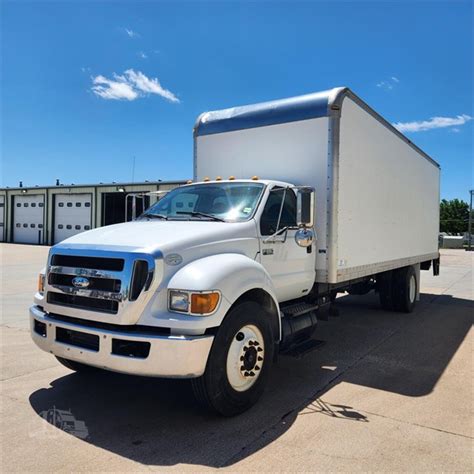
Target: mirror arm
[268, 239]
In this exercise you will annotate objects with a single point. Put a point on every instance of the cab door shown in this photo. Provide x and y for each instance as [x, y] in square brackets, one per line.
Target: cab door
[291, 267]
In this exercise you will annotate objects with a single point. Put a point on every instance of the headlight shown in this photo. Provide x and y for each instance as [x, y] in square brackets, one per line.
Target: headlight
[193, 303]
[179, 301]
[41, 283]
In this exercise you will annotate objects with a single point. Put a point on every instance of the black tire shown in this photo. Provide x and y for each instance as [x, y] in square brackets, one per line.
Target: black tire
[76, 366]
[213, 389]
[404, 289]
[384, 287]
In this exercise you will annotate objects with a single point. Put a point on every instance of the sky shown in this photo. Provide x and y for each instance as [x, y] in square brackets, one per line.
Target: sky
[89, 88]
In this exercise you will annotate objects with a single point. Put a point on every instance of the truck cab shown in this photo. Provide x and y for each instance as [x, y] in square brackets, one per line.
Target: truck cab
[150, 296]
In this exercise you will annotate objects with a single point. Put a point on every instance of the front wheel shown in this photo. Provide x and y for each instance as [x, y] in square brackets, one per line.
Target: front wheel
[239, 362]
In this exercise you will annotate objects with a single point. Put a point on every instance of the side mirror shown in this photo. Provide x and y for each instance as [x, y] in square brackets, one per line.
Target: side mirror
[305, 207]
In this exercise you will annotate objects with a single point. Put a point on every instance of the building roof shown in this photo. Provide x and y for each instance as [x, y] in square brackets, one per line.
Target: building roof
[96, 185]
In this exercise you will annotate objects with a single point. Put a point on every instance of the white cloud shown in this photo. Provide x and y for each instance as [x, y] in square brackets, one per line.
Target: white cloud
[130, 86]
[432, 123]
[388, 84]
[385, 85]
[149, 86]
[117, 89]
[131, 33]
[142, 55]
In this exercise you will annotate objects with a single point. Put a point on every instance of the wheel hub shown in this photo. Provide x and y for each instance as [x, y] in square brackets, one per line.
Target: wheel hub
[250, 358]
[245, 358]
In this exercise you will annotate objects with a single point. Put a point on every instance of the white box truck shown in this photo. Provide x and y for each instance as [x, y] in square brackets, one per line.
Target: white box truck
[292, 202]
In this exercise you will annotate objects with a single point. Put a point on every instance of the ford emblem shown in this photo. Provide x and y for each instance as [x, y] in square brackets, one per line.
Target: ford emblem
[80, 282]
[174, 259]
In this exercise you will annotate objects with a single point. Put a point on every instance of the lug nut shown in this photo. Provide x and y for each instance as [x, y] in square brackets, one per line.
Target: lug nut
[242, 367]
[259, 358]
[241, 358]
[257, 367]
[246, 374]
[252, 374]
[259, 349]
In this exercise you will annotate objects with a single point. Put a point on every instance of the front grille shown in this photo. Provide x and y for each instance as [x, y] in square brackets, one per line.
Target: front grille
[95, 263]
[102, 284]
[78, 339]
[83, 302]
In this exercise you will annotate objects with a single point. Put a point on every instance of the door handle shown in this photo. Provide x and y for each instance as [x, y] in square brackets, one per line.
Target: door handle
[267, 251]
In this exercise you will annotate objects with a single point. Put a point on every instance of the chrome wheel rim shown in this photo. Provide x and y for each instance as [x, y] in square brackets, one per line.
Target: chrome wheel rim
[245, 358]
[412, 289]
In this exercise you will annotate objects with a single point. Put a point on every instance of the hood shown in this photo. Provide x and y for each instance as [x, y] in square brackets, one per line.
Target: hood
[159, 236]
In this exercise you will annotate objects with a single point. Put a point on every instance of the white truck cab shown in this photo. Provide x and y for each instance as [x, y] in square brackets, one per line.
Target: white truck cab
[221, 274]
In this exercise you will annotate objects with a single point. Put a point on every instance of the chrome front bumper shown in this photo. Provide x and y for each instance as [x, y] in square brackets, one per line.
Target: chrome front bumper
[169, 356]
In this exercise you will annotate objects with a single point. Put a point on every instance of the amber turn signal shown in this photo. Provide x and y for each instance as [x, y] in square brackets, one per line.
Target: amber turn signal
[204, 303]
[40, 283]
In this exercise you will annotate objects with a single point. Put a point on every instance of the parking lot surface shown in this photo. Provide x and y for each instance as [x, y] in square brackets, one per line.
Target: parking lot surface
[386, 392]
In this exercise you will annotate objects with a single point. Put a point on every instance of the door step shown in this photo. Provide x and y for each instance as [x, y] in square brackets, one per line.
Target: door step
[298, 309]
[304, 348]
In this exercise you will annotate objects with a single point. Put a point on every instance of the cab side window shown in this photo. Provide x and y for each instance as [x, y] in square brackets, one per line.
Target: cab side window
[271, 211]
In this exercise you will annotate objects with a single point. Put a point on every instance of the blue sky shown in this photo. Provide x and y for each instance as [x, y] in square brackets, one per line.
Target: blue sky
[88, 86]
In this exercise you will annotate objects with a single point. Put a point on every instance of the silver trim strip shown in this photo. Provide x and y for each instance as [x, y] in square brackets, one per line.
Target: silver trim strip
[87, 272]
[98, 294]
[373, 268]
[332, 197]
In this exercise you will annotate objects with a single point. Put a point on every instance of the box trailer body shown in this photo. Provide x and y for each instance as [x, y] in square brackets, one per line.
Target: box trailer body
[292, 202]
[377, 194]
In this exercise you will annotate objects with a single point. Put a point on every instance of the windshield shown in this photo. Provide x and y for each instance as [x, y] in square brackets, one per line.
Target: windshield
[214, 201]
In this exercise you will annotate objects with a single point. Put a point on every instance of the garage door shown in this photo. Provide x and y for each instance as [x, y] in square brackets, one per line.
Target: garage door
[2, 218]
[72, 215]
[28, 219]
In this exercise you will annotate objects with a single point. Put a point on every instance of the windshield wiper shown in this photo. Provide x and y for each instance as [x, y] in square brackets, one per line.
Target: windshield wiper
[201, 214]
[156, 216]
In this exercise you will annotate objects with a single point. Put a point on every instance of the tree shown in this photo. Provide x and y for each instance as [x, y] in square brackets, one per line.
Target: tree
[454, 216]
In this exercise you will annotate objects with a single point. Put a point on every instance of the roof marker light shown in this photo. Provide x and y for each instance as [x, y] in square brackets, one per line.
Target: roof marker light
[231, 178]
[189, 181]
[218, 178]
[206, 178]
[254, 178]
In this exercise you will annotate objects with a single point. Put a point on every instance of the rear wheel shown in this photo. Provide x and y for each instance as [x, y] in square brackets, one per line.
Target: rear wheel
[398, 289]
[405, 289]
[239, 362]
[76, 366]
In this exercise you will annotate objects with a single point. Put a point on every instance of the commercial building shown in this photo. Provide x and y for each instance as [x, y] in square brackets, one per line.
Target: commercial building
[48, 214]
